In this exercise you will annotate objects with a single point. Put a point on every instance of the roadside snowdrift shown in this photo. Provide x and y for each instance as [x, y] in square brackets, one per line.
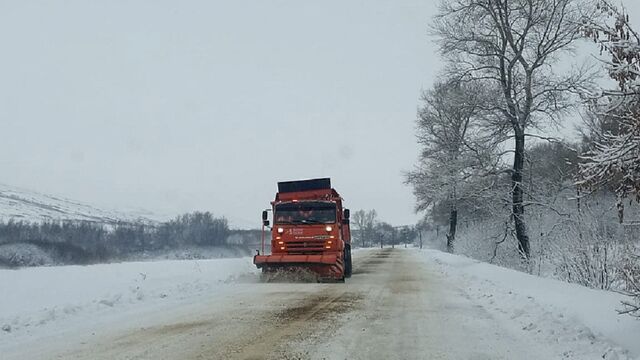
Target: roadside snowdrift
[33, 298]
[547, 310]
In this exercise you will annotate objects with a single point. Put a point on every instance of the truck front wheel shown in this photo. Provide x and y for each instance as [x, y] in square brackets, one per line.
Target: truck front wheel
[348, 266]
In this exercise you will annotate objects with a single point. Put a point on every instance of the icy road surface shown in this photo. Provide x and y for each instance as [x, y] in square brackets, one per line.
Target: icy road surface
[399, 304]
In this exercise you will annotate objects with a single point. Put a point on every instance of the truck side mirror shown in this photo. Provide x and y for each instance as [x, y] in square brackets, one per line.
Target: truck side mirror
[265, 218]
[346, 214]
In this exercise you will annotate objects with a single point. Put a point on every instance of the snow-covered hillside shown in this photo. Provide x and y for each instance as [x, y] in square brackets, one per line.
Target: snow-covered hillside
[20, 204]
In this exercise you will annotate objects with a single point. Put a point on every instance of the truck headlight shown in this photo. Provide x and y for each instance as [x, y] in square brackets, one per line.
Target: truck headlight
[329, 228]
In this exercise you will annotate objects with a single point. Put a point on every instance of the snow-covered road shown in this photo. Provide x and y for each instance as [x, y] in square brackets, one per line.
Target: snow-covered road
[399, 304]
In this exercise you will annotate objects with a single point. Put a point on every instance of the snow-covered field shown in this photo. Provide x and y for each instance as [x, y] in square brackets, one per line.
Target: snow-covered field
[56, 309]
[38, 302]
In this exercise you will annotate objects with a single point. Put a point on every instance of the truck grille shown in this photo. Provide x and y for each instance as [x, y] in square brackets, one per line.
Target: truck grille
[306, 247]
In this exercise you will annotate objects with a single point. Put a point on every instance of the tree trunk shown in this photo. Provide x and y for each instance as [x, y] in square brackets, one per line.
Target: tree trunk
[620, 206]
[518, 197]
[451, 236]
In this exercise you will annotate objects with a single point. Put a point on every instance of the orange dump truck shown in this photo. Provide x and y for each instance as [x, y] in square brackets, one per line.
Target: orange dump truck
[310, 231]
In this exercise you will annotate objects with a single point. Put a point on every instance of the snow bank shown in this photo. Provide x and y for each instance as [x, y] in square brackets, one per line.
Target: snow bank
[549, 310]
[34, 297]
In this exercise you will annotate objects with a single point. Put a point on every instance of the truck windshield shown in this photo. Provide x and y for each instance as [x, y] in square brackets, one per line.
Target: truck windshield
[306, 212]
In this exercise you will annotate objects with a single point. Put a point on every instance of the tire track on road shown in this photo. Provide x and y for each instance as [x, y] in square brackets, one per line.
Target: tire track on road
[309, 321]
[312, 318]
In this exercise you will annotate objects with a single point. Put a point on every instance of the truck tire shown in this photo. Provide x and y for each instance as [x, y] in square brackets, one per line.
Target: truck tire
[348, 265]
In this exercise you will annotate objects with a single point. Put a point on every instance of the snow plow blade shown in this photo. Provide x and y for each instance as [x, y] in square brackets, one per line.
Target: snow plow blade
[326, 266]
[328, 259]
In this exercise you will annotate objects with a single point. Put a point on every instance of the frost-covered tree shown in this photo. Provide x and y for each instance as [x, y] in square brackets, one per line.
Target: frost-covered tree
[514, 46]
[457, 158]
[385, 233]
[364, 223]
[357, 226]
[407, 235]
[614, 159]
[550, 169]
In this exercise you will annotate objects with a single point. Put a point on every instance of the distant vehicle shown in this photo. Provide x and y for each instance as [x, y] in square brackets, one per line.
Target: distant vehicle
[310, 231]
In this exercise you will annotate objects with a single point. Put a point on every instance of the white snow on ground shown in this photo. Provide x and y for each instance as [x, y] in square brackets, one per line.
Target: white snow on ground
[550, 311]
[36, 302]
[43, 305]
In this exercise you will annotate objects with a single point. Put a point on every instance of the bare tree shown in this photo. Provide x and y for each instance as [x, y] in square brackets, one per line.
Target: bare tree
[512, 46]
[358, 224]
[370, 223]
[364, 222]
[456, 157]
[385, 233]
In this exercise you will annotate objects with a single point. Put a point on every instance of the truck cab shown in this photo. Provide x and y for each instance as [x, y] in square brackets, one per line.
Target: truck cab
[310, 230]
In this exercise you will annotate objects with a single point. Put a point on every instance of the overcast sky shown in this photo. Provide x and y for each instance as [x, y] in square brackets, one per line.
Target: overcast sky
[175, 106]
